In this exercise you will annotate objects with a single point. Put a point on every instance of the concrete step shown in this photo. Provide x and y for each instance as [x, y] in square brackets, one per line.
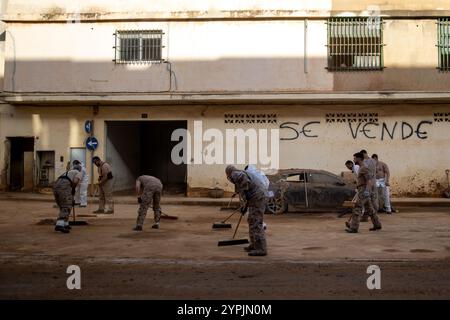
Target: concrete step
[222, 202]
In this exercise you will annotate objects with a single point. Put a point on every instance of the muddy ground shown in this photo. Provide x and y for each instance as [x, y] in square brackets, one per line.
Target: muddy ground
[310, 256]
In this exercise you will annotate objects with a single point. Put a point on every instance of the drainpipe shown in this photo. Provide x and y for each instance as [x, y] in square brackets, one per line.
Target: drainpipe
[305, 47]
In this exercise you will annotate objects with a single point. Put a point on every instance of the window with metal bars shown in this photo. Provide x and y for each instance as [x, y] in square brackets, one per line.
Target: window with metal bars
[443, 44]
[138, 46]
[355, 44]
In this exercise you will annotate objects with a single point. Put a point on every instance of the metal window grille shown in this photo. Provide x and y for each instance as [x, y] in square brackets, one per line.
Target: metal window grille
[444, 44]
[138, 46]
[355, 44]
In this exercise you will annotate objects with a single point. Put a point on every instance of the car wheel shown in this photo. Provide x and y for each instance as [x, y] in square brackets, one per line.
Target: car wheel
[276, 204]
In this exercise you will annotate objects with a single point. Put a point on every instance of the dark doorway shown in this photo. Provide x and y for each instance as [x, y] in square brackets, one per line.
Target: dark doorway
[21, 163]
[144, 147]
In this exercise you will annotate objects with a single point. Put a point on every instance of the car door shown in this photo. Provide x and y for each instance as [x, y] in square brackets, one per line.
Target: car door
[295, 194]
[326, 191]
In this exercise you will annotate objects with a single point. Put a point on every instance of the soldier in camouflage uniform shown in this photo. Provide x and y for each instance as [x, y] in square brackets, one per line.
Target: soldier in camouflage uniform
[255, 193]
[148, 190]
[363, 199]
[371, 164]
[64, 191]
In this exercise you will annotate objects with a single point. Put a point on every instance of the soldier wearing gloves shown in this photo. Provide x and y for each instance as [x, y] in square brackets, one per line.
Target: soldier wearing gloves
[250, 188]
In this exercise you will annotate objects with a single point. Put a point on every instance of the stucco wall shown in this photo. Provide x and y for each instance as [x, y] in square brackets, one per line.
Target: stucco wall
[418, 157]
[205, 56]
[214, 56]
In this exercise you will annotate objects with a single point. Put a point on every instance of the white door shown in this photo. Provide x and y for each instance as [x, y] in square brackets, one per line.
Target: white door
[78, 154]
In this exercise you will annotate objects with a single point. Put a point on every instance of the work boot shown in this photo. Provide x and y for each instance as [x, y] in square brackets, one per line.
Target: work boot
[257, 253]
[99, 211]
[137, 228]
[351, 230]
[62, 229]
[249, 248]
[375, 228]
[155, 226]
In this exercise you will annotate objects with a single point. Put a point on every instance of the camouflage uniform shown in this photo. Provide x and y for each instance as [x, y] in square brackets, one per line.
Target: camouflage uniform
[362, 202]
[250, 188]
[105, 188]
[62, 191]
[152, 188]
[371, 165]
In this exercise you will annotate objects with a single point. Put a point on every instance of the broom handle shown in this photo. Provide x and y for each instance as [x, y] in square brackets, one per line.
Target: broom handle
[237, 227]
[230, 215]
[232, 197]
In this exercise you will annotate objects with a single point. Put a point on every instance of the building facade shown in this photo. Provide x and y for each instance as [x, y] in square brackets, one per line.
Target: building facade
[330, 77]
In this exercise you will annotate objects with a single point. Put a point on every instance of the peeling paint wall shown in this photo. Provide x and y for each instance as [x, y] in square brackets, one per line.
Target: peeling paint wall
[60, 10]
[160, 9]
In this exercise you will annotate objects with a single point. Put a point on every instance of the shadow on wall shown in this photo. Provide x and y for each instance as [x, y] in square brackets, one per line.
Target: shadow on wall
[222, 75]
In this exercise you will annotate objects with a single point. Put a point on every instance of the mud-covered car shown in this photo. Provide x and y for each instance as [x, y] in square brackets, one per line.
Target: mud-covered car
[307, 190]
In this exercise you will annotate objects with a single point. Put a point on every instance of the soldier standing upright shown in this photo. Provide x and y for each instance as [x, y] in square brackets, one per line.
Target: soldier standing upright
[372, 166]
[363, 199]
[64, 191]
[105, 183]
[148, 191]
[254, 192]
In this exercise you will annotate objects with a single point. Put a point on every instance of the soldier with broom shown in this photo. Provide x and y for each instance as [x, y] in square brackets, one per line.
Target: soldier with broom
[250, 188]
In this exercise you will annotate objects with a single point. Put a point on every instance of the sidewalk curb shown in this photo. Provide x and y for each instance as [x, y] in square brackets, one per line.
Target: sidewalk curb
[223, 203]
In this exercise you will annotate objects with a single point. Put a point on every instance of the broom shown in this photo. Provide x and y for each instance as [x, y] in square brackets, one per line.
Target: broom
[233, 241]
[223, 224]
[74, 222]
[229, 203]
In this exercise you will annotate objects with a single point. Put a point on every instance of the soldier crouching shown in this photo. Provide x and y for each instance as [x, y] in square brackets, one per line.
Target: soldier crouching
[148, 190]
[64, 191]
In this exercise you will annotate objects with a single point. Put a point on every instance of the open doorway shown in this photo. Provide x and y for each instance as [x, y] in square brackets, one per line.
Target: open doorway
[144, 147]
[21, 160]
[45, 168]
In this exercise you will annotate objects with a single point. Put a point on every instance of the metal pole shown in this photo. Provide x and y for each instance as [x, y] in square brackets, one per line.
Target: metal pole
[92, 165]
[305, 46]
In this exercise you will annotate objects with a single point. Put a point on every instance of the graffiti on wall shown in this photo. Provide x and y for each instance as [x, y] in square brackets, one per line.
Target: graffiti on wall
[403, 130]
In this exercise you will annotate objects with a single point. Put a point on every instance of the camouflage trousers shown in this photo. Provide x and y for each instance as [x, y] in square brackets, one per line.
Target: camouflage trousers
[147, 199]
[257, 236]
[373, 200]
[366, 204]
[62, 190]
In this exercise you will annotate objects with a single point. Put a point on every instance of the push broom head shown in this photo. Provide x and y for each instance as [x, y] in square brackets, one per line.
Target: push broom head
[78, 223]
[232, 242]
[221, 225]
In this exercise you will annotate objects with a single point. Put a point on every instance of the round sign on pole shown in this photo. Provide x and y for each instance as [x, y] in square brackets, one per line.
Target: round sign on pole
[88, 126]
[91, 143]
